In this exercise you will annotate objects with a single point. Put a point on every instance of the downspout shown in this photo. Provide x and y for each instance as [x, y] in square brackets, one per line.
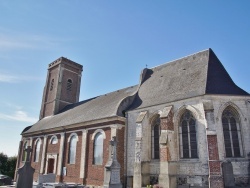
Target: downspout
[62, 157]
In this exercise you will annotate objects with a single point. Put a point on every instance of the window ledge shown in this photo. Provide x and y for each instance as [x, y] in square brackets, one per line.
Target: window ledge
[235, 159]
[190, 160]
[155, 160]
[97, 165]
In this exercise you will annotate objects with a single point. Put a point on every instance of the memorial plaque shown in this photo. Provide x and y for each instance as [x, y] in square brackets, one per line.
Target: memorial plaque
[115, 176]
[47, 178]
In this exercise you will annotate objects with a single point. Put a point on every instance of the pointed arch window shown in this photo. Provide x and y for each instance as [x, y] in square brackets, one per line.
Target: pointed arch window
[37, 150]
[98, 149]
[231, 133]
[72, 149]
[25, 146]
[155, 135]
[188, 140]
[69, 85]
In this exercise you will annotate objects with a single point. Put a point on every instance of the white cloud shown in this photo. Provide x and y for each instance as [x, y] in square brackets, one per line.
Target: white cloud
[7, 43]
[10, 105]
[11, 40]
[8, 78]
[19, 116]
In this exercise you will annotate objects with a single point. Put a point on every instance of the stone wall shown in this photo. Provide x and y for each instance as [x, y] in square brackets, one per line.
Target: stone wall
[194, 172]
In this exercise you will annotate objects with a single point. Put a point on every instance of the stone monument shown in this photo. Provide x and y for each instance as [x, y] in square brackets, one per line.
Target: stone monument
[25, 173]
[112, 168]
[228, 174]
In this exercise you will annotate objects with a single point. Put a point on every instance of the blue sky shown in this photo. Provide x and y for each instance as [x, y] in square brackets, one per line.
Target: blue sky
[113, 40]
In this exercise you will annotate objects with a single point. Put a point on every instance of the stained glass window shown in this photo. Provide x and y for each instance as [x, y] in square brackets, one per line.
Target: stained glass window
[232, 133]
[188, 140]
[155, 135]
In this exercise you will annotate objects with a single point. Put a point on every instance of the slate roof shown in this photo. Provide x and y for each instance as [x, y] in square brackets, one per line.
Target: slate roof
[195, 75]
[198, 74]
[103, 106]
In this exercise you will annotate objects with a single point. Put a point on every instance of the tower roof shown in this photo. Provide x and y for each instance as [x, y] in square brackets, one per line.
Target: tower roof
[65, 61]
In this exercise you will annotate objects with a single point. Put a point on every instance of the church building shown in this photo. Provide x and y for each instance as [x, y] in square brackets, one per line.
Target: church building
[186, 124]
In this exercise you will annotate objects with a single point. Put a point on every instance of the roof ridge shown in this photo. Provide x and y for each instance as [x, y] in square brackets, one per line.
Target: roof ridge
[187, 56]
[216, 73]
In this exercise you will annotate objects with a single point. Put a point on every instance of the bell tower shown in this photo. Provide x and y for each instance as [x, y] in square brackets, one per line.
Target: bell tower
[62, 86]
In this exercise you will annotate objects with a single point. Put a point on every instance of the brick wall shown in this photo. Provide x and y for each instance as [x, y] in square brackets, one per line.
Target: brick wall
[53, 74]
[52, 100]
[69, 96]
[120, 151]
[53, 148]
[73, 170]
[36, 165]
[95, 173]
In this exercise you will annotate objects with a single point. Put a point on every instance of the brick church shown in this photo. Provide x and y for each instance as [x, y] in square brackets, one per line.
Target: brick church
[186, 124]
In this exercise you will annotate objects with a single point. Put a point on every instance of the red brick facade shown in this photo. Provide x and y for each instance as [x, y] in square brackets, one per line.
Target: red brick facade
[215, 172]
[56, 94]
[73, 170]
[166, 125]
[94, 174]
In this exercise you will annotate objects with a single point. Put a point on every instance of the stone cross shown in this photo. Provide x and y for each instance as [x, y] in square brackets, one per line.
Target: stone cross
[26, 172]
[112, 168]
[28, 150]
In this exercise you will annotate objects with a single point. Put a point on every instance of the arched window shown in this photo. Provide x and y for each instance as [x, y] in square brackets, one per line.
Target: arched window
[187, 131]
[69, 84]
[53, 140]
[25, 146]
[51, 84]
[72, 149]
[37, 150]
[232, 133]
[155, 135]
[98, 149]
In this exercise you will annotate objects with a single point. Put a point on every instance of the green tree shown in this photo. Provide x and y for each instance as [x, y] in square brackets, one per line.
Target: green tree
[11, 164]
[7, 165]
[3, 163]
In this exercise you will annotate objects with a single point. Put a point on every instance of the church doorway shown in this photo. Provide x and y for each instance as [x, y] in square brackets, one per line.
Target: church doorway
[51, 163]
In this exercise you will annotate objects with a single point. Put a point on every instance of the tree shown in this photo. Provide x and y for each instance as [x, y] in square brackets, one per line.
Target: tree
[7, 165]
[11, 164]
[3, 163]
